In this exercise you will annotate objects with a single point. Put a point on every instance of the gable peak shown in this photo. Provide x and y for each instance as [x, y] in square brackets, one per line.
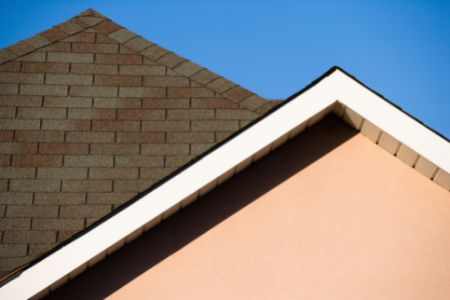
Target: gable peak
[91, 13]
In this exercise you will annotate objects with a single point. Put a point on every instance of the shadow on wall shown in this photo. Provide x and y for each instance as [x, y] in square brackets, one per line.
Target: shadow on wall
[184, 227]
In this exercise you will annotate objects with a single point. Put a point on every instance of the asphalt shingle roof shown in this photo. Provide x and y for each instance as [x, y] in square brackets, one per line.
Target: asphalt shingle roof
[92, 114]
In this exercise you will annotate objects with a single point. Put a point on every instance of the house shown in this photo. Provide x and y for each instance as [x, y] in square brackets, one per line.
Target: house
[336, 193]
[92, 114]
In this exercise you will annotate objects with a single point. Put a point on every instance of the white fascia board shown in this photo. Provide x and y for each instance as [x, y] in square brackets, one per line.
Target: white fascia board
[392, 120]
[54, 267]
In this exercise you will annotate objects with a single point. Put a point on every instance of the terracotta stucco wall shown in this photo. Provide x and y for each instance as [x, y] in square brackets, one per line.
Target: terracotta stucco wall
[330, 215]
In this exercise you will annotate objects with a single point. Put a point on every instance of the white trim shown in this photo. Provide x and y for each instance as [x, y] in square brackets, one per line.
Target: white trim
[221, 164]
[393, 121]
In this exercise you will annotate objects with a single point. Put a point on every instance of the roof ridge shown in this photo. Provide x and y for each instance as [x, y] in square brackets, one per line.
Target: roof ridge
[92, 13]
[85, 20]
[90, 18]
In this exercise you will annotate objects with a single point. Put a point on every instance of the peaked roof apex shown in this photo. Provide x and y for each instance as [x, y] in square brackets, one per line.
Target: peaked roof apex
[91, 20]
[91, 13]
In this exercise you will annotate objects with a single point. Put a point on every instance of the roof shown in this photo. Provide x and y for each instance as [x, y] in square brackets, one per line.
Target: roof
[92, 114]
[335, 91]
[90, 21]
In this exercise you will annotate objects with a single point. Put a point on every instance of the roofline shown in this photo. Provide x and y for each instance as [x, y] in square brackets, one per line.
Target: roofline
[331, 95]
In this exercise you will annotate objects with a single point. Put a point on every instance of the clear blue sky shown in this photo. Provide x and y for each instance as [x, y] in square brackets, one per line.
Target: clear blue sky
[401, 49]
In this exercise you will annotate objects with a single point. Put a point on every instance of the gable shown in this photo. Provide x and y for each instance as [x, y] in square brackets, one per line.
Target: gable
[91, 115]
[335, 91]
[327, 215]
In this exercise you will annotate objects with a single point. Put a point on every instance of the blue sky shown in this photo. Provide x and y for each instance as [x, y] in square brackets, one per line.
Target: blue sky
[401, 49]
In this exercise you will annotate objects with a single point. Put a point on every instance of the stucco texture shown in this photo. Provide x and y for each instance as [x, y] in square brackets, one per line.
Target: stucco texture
[329, 215]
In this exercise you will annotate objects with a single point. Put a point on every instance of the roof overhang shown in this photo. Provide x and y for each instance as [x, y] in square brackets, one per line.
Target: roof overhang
[336, 92]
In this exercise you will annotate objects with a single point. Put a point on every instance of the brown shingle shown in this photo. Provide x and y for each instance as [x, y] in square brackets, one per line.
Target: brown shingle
[59, 198]
[55, 224]
[121, 59]
[20, 160]
[63, 148]
[34, 185]
[139, 161]
[189, 92]
[12, 66]
[113, 149]
[204, 76]
[190, 137]
[17, 100]
[95, 48]
[91, 114]
[82, 37]
[72, 125]
[62, 173]
[190, 114]
[41, 113]
[140, 137]
[154, 52]
[115, 125]
[53, 34]
[20, 48]
[142, 70]
[220, 85]
[33, 56]
[118, 80]
[16, 198]
[6, 135]
[141, 114]
[165, 81]
[8, 112]
[88, 161]
[20, 237]
[52, 101]
[138, 44]
[169, 60]
[213, 103]
[106, 27]
[142, 92]
[83, 211]
[237, 93]
[90, 137]
[113, 173]
[117, 102]
[94, 69]
[86, 186]
[22, 78]
[17, 172]
[39, 136]
[15, 224]
[45, 67]
[22, 211]
[165, 103]
[70, 27]
[132, 185]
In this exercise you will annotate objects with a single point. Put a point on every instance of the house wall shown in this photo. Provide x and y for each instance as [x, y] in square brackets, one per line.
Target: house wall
[330, 215]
